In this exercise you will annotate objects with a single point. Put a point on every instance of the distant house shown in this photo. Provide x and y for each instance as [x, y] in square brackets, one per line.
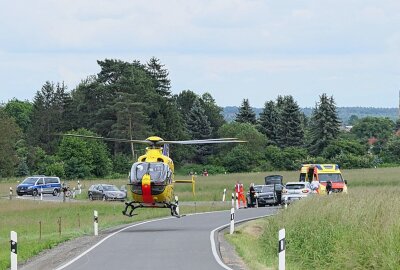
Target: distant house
[372, 141]
[346, 128]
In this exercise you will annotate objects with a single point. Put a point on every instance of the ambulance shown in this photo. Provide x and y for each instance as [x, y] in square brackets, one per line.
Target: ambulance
[318, 175]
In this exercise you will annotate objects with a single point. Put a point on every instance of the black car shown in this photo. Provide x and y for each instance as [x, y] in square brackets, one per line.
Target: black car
[267, 194]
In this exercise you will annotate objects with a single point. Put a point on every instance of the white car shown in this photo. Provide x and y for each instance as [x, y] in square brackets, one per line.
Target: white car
[295, 191]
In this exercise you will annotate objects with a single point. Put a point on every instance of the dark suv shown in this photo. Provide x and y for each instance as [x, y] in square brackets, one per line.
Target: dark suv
[277, 181]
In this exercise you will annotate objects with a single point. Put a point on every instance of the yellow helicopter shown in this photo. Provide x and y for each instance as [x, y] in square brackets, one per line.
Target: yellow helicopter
[151, 179]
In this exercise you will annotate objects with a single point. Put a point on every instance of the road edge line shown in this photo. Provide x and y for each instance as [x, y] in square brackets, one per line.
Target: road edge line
[216, 254]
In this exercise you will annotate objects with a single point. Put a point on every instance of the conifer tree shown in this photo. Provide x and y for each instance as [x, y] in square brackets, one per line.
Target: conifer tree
[48, 115]
[289, 124]
[324, 124]
[268, 121]
[213, 112]
[199, 128]
[246, 113]
[160, 75]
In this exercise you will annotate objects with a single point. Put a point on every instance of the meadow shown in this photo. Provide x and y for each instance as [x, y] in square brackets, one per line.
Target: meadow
[358, 230]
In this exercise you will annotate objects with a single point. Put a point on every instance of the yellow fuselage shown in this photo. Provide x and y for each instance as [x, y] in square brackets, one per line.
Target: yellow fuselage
[147, 194]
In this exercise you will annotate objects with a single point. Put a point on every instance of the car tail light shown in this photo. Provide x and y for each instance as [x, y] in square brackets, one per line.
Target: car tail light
[305, 191]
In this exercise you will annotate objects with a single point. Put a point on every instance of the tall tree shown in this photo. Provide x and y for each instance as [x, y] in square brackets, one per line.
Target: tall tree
[21, 111]
[246, 113]
[160, 75]
[48, 116]
[268, 121]
[289, 126]
[324, 124]
[131, 122]
[184, 101]
[213, 112]
[199, 128]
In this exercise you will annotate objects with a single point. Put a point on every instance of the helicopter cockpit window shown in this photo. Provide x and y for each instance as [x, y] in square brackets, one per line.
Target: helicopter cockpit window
[158, 171]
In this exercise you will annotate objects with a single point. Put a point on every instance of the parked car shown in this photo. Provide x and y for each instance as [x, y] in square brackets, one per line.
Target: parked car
[266, 194]
[37, 184]
[106, 192]
[295, 191]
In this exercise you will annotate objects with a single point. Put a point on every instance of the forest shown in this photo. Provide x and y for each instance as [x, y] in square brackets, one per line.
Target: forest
[134, 100]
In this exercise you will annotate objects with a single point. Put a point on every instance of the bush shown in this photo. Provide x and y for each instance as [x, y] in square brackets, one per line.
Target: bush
[350, 161]
[56, 169]
[289, 158]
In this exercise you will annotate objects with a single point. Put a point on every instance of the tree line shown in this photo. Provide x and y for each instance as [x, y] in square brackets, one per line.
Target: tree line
[133, 100]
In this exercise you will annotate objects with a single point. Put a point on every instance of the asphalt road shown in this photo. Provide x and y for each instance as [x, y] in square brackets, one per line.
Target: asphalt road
[46, 197]
[169, 243]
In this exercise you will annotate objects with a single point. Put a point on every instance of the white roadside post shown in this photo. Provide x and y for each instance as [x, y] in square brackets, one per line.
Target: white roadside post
[13, 242]
[285, 202]
[223, 196]
[256, 200]
[177, 205]
[237, 200]
[232, 225]
[96, 223]
[11, 192]
[281, 249]
[233, 200]
[41, 193]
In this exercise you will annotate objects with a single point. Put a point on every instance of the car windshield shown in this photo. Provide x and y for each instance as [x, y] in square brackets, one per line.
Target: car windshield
[110, 188]
[158, 171]
[30, 180]
[333, 177]
[295, 186]
[268, 189]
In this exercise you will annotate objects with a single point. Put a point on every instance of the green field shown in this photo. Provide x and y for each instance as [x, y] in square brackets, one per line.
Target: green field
[360, 230]
[369, 212]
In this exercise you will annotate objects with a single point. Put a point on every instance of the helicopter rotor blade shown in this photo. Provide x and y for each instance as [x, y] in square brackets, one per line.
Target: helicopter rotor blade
[158, 142]
[108, 139]
[207, 141]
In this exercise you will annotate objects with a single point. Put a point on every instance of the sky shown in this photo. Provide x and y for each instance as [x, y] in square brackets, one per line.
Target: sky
[233, 49]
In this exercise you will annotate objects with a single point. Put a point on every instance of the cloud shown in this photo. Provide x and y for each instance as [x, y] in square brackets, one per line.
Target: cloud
[222, 46]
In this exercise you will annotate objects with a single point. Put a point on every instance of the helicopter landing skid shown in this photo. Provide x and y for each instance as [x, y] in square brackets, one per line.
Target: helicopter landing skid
[132, 206]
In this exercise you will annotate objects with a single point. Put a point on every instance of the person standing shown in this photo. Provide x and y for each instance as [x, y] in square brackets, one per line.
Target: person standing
[252, 194]
[242, 199]
[329, 187]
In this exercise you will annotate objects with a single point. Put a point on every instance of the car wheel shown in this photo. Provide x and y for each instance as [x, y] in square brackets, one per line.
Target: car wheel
[90, 197]
[55, 192]
[20, 194]
[34, 192]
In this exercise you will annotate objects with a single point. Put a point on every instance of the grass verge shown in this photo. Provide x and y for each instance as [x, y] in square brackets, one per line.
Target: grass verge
[359, 230]
[26, 218]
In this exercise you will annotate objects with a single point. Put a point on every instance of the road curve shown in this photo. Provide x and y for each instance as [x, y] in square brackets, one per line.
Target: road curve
[169, 243]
